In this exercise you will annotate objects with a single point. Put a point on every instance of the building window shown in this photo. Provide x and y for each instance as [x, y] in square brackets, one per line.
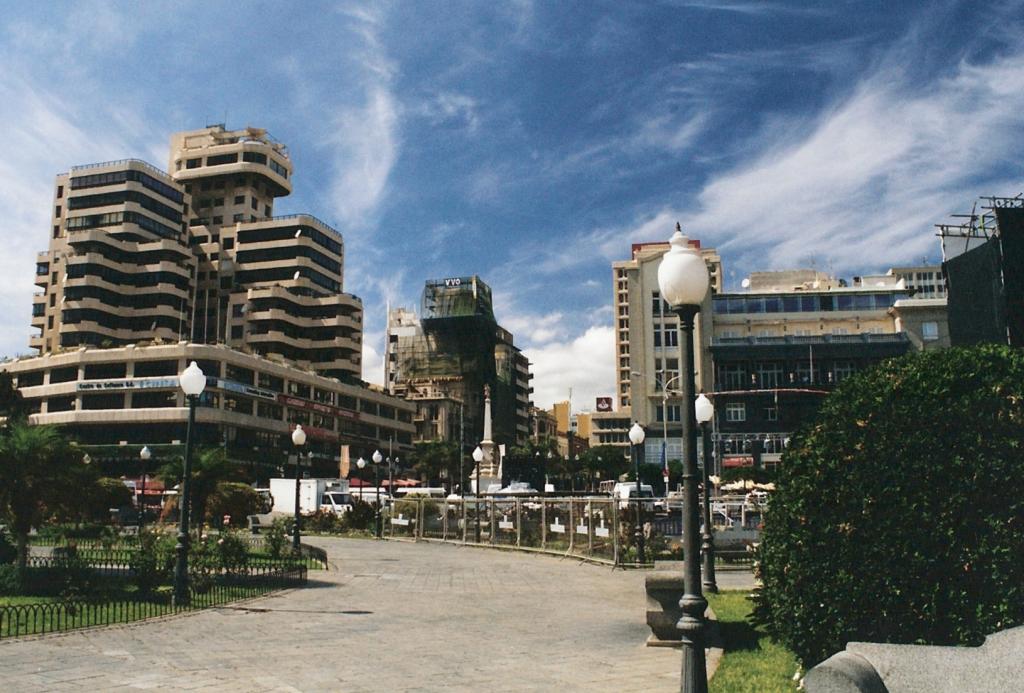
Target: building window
[193, 163]
[732, 376]
[769, 374]
[736, 412]
[771, 413]
[930, 331]
[843, 370]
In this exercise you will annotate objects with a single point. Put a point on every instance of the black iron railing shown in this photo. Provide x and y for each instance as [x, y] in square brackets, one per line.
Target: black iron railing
[210, 588]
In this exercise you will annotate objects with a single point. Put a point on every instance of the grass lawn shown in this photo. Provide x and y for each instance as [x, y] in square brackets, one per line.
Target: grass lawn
[753, 662]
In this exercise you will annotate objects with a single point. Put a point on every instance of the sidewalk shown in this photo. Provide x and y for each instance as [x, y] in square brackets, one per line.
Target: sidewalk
[388, 616]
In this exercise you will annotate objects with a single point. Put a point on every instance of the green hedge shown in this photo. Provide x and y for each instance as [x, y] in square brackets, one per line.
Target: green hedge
[899, 514]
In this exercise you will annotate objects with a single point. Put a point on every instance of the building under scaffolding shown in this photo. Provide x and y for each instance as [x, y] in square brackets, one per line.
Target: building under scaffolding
[443, 359]
[983, 260]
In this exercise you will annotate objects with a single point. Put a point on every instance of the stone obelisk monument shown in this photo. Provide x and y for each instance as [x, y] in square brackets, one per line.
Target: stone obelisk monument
[488, 472]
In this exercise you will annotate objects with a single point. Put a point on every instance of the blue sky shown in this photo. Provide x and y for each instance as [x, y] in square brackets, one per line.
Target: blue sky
[532, 142]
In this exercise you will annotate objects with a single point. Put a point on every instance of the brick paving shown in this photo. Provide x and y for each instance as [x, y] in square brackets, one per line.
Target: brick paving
[388, 616]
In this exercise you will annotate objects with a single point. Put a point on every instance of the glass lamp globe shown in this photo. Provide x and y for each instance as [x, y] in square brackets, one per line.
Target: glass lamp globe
[704, 409]
[192, 380]
[360, 463]
[682, 275]
[298, 436]
[377, 457]
[478, 454]
[144, 453]
[636, 434]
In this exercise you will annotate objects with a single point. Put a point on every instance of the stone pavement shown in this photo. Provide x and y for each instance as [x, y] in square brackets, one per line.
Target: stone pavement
[388, 616]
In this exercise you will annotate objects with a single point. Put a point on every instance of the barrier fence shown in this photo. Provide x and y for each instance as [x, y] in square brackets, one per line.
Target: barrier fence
[207, 588]
[598, 529]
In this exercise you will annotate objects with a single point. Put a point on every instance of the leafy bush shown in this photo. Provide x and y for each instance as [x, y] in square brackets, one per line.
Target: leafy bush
[360, 516]
[8, 551]
[152, 564]
[234, 500]
[322, 521]
[232, 552]
[276, 538]
[10, 580]
[899, 514]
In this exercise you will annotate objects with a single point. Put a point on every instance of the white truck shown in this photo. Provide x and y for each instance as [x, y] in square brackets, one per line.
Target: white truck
[331, 495]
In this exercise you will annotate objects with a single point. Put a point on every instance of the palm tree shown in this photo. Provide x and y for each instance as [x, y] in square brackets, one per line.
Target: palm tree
[37, 464]
[209, 467]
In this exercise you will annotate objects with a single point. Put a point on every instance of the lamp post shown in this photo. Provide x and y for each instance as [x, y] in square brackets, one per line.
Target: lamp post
[377, 457]
[478, 457]
[144, 455]
[192, 382]
[705, 411]
[665, 393]
[683, 280]
[298, 440]
[636, 437]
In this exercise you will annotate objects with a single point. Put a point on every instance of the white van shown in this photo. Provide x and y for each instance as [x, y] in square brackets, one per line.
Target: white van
[626, 490]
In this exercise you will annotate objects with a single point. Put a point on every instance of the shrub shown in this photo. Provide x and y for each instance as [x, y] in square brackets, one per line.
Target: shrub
[323, 521]
[899, 514]
[235, 500]
[10, 580]
[232, 552]
[8, 551]
[152, 564]
[276, 538]
[360, 516]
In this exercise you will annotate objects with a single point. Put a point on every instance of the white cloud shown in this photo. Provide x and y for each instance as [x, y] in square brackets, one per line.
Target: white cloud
[862, 186]
[586, 364]
[373, 360]
[366, 148]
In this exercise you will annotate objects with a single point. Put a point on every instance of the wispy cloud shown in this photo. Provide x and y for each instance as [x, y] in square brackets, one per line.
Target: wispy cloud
[867, 180]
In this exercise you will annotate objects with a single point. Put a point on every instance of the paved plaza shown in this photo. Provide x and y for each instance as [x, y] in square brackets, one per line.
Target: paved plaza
[387, 616]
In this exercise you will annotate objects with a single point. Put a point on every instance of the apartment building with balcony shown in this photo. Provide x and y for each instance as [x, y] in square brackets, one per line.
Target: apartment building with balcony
[140, 259]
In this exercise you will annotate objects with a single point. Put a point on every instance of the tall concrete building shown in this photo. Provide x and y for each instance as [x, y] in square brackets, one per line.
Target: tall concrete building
[144, 268]
[202, 254]
[647, 351]
[443, 359]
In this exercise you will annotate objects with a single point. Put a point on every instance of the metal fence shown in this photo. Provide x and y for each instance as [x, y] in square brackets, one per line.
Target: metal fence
[598, 529]
[221, 588]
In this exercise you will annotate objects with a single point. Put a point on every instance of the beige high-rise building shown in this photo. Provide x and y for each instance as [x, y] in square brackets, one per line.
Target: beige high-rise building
[271, 283]
[146, 271]
[647, 348]
[137, 255]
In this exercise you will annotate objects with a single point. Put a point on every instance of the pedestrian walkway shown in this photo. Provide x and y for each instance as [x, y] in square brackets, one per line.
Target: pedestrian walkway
[388, 616]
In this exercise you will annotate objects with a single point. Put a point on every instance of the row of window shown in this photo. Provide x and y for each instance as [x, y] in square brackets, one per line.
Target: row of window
[222, 159]
[289, 252]
[122, 196]
[120, 299]
[94, 221]
[139, 279]
[812, 303]
[98, 180]
[767, 375]
[281, 233]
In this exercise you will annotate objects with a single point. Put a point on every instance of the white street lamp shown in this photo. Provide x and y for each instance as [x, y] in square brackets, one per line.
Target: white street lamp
[298, 440]
[636, 437]
[192, 381]
[684, 281]
[144, 455]
[704, 410]
[478, 457]
[377, 458]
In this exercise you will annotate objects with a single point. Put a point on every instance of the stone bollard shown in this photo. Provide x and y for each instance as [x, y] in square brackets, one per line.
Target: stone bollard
[664, 589]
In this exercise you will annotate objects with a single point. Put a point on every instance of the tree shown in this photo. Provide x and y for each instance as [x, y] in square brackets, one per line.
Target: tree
[209, 467]
[37, 464]
[12, 406]
[234, 499]
[898, 514]
[530, 462]
[605, 462]
[437, 458]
